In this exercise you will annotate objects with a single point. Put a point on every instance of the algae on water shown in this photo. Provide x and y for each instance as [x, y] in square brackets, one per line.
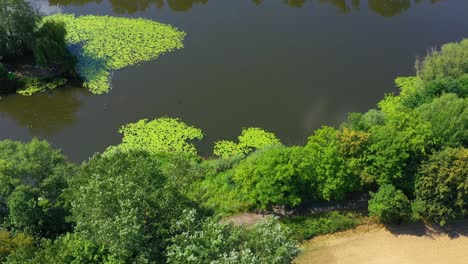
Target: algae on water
[104, 43]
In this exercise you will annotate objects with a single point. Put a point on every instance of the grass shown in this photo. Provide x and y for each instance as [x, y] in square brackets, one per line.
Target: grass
[103, 44]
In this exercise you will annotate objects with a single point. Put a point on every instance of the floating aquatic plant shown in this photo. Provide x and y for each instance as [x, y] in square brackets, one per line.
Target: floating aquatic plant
[103, 44]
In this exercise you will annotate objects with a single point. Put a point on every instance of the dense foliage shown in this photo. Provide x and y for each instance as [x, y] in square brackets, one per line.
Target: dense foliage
[442, 185]
[33, 177]
[50, 48]
[39, 48]
[209, 241]
[103, 44]
[123, 201]
[18, 22]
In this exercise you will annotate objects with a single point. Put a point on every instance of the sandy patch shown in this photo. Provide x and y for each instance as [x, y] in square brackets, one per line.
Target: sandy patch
[410, 244]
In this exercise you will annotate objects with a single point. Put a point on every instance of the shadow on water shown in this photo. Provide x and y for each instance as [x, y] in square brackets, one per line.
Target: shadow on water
[453, 229]
[386, 8]
[44, 114]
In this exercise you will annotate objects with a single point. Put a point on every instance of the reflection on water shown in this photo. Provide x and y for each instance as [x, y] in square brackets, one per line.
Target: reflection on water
[386, 8]
[132, 6]
[44, 114]
[44, 7]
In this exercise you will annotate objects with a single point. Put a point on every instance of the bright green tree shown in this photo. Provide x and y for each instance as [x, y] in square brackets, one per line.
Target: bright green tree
[330, 168]
[274, 176]
[397, 148]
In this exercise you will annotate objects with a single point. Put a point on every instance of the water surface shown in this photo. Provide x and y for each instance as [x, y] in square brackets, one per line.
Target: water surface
[287, 66]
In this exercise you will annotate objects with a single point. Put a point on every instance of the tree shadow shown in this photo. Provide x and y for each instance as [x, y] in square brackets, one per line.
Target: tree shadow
[90, 68]
[454, 229]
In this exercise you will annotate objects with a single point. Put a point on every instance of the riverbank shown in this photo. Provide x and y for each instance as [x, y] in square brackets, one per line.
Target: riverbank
[405, 244]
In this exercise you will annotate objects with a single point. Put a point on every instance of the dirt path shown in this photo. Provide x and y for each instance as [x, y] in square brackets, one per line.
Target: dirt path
[413, 244]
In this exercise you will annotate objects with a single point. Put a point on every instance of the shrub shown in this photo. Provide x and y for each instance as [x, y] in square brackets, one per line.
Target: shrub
[442, 185]
[389, 205]
[306, 227]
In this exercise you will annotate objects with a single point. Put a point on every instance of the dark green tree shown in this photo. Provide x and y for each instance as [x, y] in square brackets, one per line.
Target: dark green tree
[50, 49]
[18, 22]
[122, 200]
[442, 185]
[32, 178]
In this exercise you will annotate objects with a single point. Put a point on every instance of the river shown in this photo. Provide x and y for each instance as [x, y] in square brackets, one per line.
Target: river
[286, 66]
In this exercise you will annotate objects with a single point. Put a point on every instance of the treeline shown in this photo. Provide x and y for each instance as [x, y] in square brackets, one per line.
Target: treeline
[153, 199]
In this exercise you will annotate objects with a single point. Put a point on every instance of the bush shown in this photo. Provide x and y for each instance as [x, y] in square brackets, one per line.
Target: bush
[389, 205]
[442, 185]
[306, 227]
